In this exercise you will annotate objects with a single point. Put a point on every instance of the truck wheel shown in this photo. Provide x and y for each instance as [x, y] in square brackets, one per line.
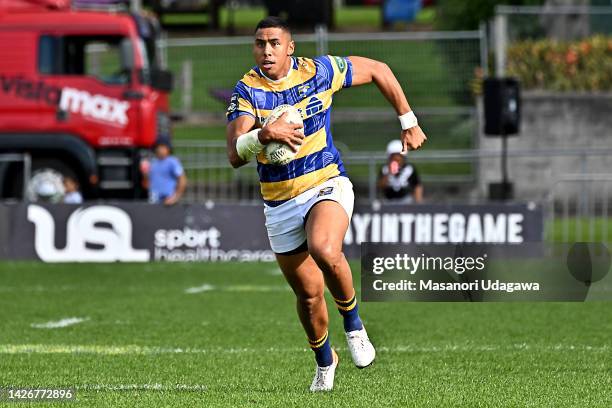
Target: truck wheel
[45, 183]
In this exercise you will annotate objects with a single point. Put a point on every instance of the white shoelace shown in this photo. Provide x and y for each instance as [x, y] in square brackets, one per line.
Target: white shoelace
[362, 340]
[321, 376]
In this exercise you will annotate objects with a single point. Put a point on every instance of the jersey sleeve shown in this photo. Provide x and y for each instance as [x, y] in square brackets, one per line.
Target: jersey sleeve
[240, 103]
[177, 168]
[336, 71]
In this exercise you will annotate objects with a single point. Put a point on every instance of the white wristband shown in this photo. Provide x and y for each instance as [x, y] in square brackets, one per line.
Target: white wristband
[248, 145]
[408, 120]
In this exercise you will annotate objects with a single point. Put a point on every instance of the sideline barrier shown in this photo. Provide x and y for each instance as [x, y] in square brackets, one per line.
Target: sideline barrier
[139, 232]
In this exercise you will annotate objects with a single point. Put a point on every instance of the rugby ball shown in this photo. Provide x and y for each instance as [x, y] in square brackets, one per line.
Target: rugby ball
[280, 153]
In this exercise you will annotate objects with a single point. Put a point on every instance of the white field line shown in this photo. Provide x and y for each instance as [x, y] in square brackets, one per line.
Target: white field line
[147, 350]
[58, 324]
[198, 289]
[141, 387]
[237, 288]
[38, 288]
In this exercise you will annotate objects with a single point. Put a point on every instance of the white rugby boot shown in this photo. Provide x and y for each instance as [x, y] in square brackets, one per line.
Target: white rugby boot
[361, 348]
[324, 377]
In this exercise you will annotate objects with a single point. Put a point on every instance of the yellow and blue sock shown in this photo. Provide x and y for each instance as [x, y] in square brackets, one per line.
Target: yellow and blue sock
[350, 311]
[322, 350]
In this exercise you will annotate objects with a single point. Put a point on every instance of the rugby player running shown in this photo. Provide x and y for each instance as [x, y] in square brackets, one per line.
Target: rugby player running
[309, 201]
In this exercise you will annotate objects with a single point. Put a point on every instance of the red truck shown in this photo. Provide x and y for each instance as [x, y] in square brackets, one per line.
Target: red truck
[82, 93]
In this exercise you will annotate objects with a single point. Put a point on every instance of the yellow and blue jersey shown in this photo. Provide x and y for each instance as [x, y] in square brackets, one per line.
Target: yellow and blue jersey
[309, 86]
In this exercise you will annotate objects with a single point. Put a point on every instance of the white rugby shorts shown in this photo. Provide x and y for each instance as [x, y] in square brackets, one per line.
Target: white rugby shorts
[285, 223]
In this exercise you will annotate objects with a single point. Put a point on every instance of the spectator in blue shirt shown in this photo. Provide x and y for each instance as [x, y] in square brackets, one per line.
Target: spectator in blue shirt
[165, 178]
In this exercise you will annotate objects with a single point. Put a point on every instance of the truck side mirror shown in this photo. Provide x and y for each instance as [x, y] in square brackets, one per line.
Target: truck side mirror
[162, 80]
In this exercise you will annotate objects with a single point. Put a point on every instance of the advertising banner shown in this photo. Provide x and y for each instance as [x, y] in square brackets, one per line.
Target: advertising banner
[139, 232]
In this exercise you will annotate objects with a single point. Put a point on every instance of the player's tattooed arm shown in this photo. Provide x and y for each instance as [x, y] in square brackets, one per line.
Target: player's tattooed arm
[365, 71]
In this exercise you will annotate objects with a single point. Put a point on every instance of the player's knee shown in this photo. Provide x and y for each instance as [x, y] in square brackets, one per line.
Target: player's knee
[310, 300]
[326, 255]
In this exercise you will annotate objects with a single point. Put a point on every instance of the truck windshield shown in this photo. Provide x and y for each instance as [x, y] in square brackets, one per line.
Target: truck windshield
[108, 58]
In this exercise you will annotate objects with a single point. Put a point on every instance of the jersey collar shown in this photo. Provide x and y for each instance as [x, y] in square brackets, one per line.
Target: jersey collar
[294, 66]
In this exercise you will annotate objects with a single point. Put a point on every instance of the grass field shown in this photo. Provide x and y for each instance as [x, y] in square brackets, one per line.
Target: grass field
[235, 341]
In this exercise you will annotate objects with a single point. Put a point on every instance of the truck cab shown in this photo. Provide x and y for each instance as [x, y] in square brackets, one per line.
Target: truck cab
[82, 94]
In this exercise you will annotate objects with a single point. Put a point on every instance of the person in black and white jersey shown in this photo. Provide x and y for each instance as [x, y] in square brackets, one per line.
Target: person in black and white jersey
[399, 180]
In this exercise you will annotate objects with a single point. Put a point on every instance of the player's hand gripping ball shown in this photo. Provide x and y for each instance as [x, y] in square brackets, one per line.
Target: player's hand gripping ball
[280, 153]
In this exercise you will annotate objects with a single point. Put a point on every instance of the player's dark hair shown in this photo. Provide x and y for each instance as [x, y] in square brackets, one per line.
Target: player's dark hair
[273, 22]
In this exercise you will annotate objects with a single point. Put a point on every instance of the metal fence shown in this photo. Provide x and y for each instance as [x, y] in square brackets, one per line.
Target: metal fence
[579, 208]
[212, 178]
[562, 23]
[434, 68]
